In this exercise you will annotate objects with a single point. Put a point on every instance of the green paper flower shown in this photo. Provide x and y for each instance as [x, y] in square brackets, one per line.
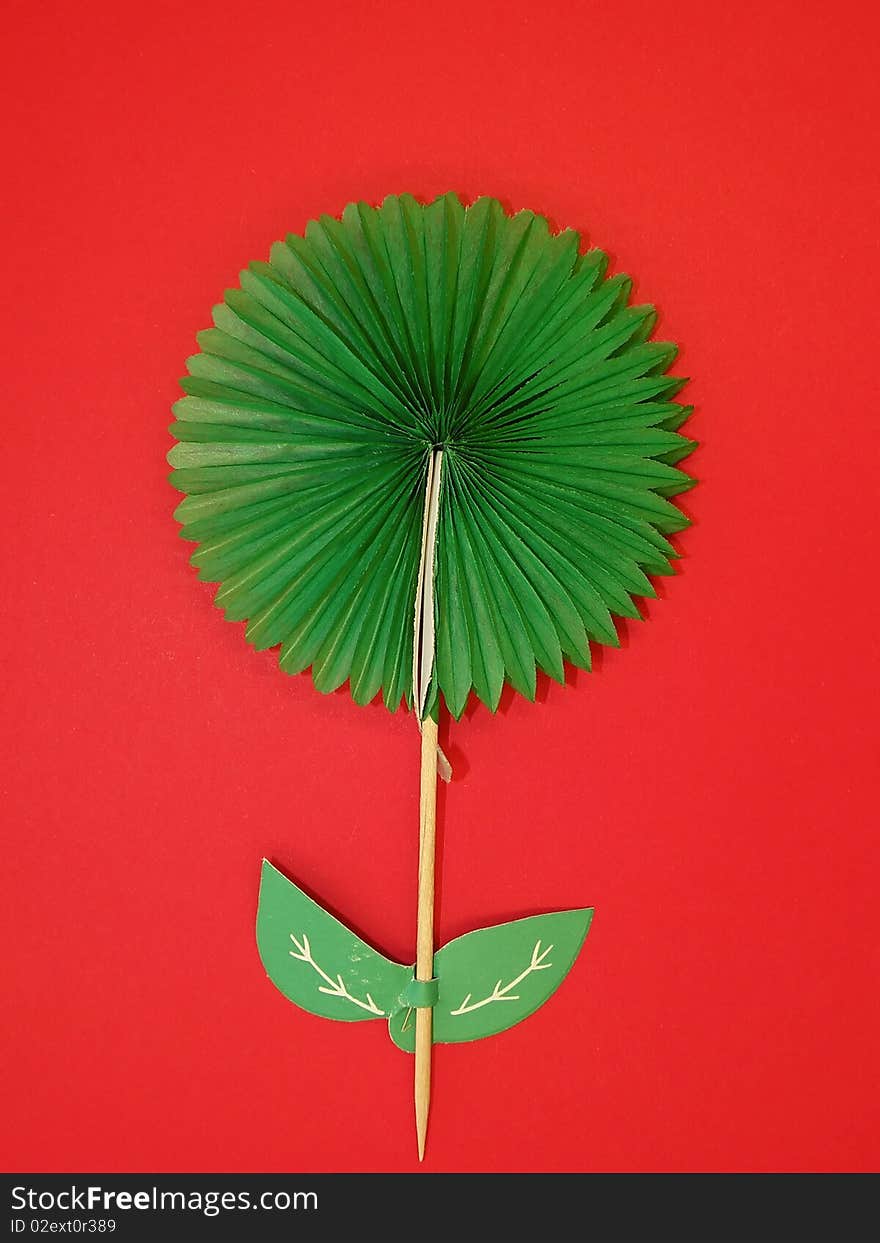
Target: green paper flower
[333, 373]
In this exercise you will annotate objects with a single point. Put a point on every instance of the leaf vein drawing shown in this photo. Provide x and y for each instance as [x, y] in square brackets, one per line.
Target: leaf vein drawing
[333, 988]
[504, 994]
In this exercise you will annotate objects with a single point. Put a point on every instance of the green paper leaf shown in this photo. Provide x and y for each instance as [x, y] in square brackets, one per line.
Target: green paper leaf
[317, 962]
[493, 978]
[334, 371]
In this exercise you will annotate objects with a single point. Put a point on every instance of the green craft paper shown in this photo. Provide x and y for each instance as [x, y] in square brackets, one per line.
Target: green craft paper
[317, 962]
[486, 981]
[421, 993]
[334, 372]
[494, 978]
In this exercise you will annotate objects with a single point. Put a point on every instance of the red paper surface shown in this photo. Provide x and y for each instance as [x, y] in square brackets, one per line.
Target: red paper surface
[710, 789]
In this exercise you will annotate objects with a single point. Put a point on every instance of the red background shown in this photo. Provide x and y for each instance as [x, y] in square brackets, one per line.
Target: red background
[709, 789]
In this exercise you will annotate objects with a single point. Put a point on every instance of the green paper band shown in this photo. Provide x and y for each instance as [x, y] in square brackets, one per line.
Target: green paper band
[422, 994]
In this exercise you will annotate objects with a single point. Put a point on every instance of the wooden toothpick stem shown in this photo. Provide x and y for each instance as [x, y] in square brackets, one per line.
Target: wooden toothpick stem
[425, 925]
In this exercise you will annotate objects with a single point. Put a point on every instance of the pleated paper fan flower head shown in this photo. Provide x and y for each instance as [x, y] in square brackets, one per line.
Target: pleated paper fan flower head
[435, 366]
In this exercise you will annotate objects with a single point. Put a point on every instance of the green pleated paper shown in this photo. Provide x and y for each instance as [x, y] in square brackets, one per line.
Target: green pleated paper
[334, 373]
